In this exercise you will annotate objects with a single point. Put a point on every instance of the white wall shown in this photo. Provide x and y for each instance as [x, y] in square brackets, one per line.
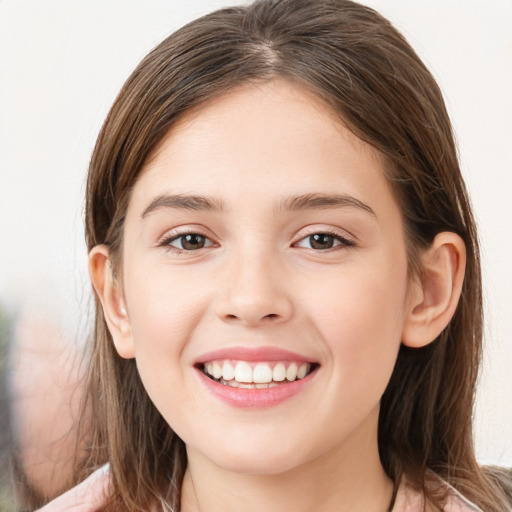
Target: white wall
[62, 63]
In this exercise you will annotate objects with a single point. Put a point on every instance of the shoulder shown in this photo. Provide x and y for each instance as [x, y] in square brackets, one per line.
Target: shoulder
[455, 502]
[409, 499]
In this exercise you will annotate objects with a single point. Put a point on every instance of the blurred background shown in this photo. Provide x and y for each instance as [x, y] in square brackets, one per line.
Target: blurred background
[61, 66]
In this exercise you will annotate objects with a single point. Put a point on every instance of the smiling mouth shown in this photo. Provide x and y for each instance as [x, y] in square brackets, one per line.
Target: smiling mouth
[260, 375]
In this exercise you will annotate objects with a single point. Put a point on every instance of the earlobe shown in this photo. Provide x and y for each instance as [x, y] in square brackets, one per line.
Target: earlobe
[110, 295]
[434, 294]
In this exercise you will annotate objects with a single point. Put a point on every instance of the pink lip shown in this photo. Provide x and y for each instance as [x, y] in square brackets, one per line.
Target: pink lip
[251, 398]
[267, 354]
[255, 398]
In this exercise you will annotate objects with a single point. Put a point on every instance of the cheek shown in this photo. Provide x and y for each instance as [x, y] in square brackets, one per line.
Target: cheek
[164, 311]
[360, 317]
[164, 307]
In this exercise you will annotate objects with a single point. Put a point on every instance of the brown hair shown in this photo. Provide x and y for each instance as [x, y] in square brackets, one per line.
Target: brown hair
[353, 59]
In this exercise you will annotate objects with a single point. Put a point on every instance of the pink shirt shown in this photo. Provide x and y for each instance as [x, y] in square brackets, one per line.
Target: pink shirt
[411, 500]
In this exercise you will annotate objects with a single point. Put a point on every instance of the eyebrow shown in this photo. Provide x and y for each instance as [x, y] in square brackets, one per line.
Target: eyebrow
[321, 201]
[302, 202]
[183, 201]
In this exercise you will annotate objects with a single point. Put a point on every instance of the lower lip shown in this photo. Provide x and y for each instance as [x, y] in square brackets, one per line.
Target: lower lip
[255, 398]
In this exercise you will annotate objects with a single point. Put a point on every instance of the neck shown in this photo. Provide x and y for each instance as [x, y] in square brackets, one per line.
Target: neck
[349, 477]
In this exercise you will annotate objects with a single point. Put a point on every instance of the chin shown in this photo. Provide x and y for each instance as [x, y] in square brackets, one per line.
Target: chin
[263, 466]
[254, 458]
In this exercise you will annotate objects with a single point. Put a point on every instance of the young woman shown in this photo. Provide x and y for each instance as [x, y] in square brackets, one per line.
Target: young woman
[285, 260]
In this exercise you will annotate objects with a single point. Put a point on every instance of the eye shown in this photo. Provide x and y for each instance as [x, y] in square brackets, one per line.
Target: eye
[323, 241]
[187, 242]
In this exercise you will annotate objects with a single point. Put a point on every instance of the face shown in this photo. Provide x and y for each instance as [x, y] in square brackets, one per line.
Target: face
[265, 281]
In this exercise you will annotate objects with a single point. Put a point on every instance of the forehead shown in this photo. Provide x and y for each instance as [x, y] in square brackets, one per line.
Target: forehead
[260, 138]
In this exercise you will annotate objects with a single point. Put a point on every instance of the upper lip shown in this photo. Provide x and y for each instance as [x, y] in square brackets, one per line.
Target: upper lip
[253, 354]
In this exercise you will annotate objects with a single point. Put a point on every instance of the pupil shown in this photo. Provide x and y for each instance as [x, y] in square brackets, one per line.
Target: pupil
[191, 242]
[321, 241]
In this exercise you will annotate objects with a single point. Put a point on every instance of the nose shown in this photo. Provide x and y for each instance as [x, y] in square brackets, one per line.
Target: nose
[254, 291]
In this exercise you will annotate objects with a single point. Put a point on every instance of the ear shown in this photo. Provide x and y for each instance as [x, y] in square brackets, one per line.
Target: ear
[434, 294]
[111, 297]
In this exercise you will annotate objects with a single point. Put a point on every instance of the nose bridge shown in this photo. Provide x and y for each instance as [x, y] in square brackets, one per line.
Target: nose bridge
[254, 290]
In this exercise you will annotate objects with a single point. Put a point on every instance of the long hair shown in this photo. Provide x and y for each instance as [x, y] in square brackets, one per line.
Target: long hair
[363, 69]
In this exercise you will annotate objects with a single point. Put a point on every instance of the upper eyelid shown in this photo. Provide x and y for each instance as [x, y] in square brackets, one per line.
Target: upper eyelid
[178, 231]
[315, 229]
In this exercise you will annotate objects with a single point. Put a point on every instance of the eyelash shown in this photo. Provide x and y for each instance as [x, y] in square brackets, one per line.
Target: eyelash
[167, 241]
[344, 243]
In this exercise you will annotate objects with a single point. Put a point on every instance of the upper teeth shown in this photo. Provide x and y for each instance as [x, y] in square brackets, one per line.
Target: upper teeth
[257, 373]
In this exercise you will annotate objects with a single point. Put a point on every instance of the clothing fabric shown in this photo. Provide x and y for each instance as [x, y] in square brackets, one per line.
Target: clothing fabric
[409, 499]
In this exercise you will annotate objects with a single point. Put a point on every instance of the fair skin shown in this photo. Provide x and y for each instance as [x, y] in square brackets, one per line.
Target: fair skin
[269, 268]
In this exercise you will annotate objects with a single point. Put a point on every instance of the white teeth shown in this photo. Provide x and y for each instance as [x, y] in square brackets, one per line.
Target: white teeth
[279, 372]
[291, 372]
[217, 371]
[228, 372]
[243, 372]
[262, 374]
[303, 370]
